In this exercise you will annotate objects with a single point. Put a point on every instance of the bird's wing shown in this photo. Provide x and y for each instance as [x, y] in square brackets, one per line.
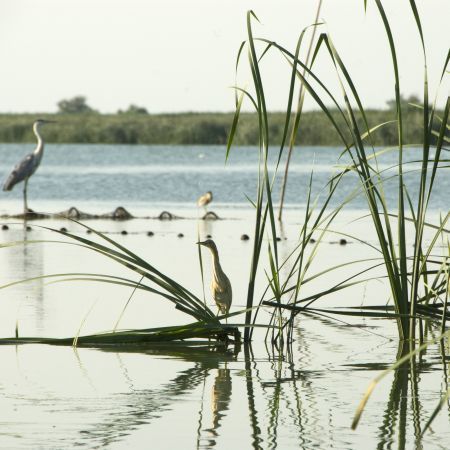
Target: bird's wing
[222, 293]
[201, 200]
[22, 170]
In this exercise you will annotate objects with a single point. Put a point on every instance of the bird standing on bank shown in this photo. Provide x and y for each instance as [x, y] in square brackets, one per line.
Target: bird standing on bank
[220, 284]
[205, 199]
[28, 165]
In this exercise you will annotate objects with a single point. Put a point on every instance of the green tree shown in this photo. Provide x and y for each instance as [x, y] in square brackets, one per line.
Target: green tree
[392, 105]
[75, 105]
[133, 109]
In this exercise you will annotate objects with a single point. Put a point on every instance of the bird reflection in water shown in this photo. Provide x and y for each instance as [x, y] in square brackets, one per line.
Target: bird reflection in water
[220, 401]
[25, 261]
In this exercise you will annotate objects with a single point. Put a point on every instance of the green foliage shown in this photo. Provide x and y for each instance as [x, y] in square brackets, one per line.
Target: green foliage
[416, 280]
[133, 109]
[134, 126]
[75, 105]
[404, 102]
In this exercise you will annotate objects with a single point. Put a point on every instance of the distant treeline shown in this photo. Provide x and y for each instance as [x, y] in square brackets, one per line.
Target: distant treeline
[198, 128]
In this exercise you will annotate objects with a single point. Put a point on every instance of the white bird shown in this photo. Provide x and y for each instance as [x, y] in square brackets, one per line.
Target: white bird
[205, 199]
[28, 165]
[220, 284]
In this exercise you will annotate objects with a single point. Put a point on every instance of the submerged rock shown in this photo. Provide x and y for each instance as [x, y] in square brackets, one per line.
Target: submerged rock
[210, 215]
[29, 215]
[166, 215]
[120, 213]
[75, 213]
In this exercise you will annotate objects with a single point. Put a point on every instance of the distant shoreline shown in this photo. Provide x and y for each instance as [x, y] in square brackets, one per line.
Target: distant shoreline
[192, 128]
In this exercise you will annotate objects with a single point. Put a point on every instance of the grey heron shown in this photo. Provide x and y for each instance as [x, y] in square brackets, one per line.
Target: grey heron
[23, 170]
[220, 284]
[205, 199]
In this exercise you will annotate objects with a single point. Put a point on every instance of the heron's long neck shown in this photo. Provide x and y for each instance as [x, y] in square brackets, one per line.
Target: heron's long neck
[39, 150]
[217, 269]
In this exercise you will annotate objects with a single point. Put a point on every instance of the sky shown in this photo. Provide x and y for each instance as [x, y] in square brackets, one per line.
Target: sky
[179, 55]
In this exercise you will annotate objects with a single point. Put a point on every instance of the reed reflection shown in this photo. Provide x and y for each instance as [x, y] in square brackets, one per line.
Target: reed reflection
[394, 427]
[250, 367]
[138, 407]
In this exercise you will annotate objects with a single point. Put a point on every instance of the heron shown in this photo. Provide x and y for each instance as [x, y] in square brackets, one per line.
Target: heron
[220, 284]
[205, 199]
[27, 166]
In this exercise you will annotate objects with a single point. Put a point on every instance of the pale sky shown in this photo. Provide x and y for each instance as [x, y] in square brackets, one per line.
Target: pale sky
[179, 55]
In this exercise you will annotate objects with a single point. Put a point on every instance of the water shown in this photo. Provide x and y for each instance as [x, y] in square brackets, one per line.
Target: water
[145, 178]
[248, 397]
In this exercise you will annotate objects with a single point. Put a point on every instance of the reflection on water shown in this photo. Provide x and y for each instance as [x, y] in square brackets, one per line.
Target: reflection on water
[220, 397]
[220, 400]
[140, 406]
[395, 415]
[405, 416]
[183, 397]
[199, 398]
[24, 261]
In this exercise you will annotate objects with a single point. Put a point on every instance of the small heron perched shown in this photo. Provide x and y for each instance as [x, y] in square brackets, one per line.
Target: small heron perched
[205, 199]
[28, 165]
[220, 284]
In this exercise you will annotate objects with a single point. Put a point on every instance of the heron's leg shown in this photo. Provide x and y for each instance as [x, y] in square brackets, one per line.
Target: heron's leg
[25, 203]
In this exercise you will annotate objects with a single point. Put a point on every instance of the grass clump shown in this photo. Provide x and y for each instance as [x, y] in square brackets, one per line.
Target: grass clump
[417, 276]
[207, 325]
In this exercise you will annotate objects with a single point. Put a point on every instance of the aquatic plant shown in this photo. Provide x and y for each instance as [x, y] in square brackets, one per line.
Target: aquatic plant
[206, 326]
[417, 280]
[407, 354]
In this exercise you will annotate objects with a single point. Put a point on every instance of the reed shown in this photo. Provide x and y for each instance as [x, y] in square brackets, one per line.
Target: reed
[408, 354]
[265, 223]
[417, 277]
[206, 326]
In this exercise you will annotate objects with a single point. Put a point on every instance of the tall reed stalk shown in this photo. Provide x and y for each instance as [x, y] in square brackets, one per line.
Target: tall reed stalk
[298, 114]
[413, 284]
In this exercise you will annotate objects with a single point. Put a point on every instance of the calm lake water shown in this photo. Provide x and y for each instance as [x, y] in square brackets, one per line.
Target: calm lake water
[148, 178]
[248, 397]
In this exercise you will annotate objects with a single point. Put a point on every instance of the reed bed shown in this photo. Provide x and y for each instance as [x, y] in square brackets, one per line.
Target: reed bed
[416, 273]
